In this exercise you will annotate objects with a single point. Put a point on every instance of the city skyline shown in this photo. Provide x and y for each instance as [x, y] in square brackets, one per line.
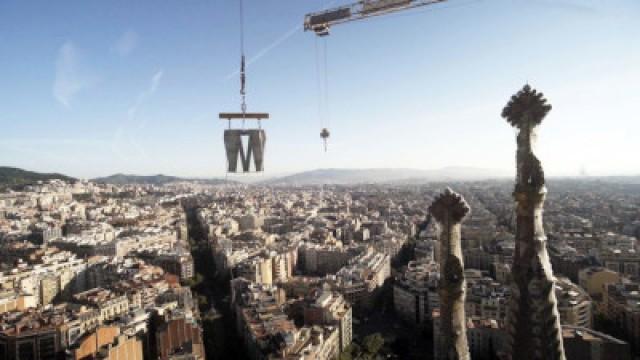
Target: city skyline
[138, 91]
[326, 180]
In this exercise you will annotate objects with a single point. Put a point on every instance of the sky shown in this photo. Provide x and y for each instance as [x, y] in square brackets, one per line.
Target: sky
[92, 88]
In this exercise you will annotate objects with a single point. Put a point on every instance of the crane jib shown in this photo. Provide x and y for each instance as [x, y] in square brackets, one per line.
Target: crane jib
[330, 16]
[321, 21]
[380, 5]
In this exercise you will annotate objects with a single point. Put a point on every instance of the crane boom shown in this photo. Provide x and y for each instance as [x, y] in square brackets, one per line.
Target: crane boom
[321, 21]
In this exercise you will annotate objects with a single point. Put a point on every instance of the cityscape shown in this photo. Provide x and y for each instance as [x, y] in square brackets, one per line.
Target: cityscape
[184, 269]
[381, 240]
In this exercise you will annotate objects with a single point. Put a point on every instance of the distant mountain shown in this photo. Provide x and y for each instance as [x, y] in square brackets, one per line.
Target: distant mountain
[367, 176]
[122, 179]
[14, 177]
[631, 179]
[458, 174]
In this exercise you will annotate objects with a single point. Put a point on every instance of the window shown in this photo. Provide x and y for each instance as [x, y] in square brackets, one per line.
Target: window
[26, 351]
[47, 348]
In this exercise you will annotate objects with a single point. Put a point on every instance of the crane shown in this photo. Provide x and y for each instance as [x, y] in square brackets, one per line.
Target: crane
[233, 138]
[321, 21]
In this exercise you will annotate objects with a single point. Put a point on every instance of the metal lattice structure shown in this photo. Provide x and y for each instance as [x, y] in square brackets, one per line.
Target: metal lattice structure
[321, 21]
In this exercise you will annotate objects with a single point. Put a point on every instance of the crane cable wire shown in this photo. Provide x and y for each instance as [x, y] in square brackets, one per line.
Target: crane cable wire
[322, 86]
[243, 92]
[318, 84]
[326, 84]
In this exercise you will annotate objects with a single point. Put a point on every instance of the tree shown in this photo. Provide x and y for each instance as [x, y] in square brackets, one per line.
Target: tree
[353, 352]
[203, 301]
[373, 343]
[346, 355]
[195, 280]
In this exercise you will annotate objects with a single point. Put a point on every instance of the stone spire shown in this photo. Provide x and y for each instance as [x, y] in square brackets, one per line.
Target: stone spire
[449, 209]
[533, 322]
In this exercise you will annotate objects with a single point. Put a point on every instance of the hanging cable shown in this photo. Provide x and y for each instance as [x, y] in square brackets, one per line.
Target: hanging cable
[243, 92]
[318, 84]
[326, 85]
[322, 88]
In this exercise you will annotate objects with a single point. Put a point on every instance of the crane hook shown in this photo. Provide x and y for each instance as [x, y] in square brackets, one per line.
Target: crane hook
[324, 134]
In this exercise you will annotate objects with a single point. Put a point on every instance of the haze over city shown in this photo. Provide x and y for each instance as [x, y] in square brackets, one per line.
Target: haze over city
[319, 180]
[91, 89]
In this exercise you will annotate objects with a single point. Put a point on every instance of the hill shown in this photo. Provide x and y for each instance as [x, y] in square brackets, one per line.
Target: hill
[384, 175]
[122, 179]
[13, 177]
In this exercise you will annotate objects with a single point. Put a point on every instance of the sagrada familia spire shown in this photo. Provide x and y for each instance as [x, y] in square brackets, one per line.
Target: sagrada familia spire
[533, 322]
[449, 209]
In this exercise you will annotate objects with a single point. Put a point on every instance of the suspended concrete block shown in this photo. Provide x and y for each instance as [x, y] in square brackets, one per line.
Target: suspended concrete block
[257, 139]
[234, 145]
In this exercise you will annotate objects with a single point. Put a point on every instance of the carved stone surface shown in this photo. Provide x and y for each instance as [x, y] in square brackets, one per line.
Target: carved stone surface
[449, 209]
[233, 143]
[533, 322]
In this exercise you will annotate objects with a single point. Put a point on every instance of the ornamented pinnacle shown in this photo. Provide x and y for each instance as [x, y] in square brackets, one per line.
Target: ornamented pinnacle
[533, 321]
[449, 209]
[525, 111]
[451, 204]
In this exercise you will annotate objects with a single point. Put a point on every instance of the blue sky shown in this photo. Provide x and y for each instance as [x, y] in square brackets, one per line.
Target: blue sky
[91, 88]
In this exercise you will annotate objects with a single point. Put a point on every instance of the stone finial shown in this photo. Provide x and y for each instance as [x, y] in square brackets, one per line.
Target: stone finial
[526, 109]
[449, 202]
[533, 322]
[449, 209]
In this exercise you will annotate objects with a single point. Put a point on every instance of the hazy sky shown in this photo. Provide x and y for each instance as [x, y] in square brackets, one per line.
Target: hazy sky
[91, 88]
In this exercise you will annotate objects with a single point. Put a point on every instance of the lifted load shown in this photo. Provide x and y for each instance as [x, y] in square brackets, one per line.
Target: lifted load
[234, 145]
[234, 139]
